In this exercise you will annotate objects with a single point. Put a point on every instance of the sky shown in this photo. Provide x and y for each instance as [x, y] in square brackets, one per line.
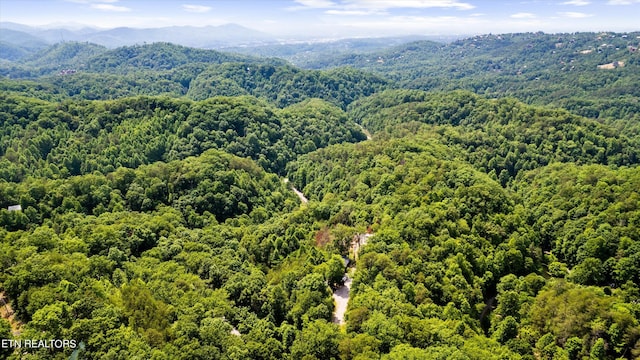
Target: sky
[336, 18]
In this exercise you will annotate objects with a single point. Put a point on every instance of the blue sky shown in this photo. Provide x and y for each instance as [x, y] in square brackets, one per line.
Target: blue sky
[337, 18]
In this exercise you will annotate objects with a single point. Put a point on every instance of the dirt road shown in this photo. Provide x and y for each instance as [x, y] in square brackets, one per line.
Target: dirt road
[341, 294]
[300, 195]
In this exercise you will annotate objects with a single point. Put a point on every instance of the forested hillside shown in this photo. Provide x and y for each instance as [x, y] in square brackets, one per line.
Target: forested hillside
[590, 74]
[501, 137]
[148, 205]
[57, 140]
[16, 45]
[91, 72]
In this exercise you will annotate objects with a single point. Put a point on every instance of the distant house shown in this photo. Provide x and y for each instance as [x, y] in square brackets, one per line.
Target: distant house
[15, 208]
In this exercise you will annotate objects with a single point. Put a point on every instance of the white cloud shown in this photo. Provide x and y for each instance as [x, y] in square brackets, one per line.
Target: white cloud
[575, 15]
[415, 4]
[196, 8]
[523, 15]
[354, 12]
[93, 1]
[103, 5]
[577, 2]
[361, 7]
[424, 19]
[316, 4]
[110, 7]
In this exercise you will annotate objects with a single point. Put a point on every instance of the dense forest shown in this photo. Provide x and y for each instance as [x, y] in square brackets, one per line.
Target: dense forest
[149, 204]
[590, 74]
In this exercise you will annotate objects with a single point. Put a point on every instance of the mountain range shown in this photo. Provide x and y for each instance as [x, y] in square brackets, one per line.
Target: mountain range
[18, 41]
[202, 37]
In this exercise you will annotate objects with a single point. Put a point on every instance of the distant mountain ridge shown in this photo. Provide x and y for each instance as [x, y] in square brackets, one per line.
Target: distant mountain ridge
[16, 44]
[19, 41]
[87, 57]
[202, 37]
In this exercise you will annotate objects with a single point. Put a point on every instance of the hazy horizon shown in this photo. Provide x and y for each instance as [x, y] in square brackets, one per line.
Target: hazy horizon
[334, 18]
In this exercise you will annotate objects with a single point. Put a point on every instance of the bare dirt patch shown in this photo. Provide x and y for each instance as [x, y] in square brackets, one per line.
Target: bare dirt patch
[610, 66]
[7, 313]
[323, 237]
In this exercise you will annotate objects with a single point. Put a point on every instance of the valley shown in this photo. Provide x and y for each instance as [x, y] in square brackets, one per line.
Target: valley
[186, 203]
